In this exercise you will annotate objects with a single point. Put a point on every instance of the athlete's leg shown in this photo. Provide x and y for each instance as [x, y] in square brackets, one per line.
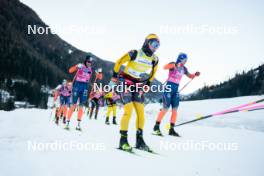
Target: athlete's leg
[128, 109]
[140, 120]
[114, 110]
[96, 109]
[75, 96]
[109, 110]
[114, 114]
[83, 99]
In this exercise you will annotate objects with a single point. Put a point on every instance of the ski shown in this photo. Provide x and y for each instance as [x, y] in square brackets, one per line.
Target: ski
[155, 134]
[147, 151]
[130, 152]
[67, 129]
[175, 136]
[256, 109]
[78, 129]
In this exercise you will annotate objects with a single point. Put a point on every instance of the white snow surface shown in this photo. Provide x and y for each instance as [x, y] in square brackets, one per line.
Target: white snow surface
[22, 128]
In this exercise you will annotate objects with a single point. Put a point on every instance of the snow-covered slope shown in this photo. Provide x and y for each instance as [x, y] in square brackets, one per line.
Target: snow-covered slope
[206, 148]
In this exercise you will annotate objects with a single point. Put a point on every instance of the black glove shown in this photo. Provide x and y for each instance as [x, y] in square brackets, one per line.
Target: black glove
[197, 73]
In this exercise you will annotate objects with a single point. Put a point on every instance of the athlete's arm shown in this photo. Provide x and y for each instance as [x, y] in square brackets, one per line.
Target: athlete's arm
[169, 66]
[73, 69]
[126, 58]
[189, 75]
[58, 87]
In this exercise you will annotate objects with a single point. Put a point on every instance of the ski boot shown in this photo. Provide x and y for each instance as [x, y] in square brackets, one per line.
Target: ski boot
[107, 121]
[114, 120]
[67, 126]
[78, 127]
[64, 120]
[156, 129]
[140, 143]
[123, 144]
[172, 132]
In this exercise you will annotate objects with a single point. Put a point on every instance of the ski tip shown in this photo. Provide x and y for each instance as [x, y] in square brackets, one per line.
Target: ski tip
[161, 135]
[148, 151]
[128, 151]
[66, 128]
[175, 136]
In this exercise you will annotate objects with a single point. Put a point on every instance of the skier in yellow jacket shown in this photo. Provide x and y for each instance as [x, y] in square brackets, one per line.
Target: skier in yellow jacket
[138, 63]
[111, 99]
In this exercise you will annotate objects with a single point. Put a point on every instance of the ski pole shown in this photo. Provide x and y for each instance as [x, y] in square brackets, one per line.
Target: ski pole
[211, 115]
[232, 110]
[239, 107]
[254, 108]
[53, 106]
[51, 113]
[186, 85]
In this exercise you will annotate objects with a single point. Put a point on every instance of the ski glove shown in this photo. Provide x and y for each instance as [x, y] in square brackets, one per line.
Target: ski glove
[197, 73]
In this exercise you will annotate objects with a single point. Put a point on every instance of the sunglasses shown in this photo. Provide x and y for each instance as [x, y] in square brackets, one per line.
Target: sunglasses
[88, 62]
[155, 44]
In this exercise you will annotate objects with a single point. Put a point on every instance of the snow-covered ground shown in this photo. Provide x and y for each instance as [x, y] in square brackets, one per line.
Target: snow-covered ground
[225, 145]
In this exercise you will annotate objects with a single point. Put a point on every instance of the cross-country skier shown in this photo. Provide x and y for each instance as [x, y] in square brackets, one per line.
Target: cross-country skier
[80, 88]
[95, 100]
[95, 96]
[171, 98]
[138, 63]
[64, 91]
[111, 99]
